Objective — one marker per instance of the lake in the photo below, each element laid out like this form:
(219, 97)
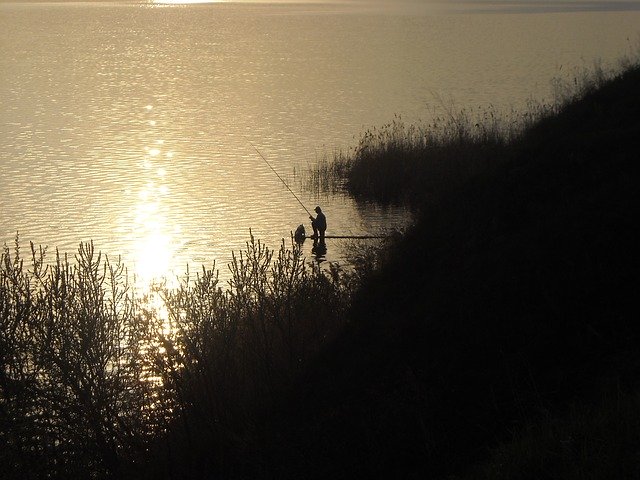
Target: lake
(132, 125)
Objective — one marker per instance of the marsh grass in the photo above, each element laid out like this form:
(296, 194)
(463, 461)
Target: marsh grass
(327, 175)
(403, 164)
(413, 164)
(94, 381)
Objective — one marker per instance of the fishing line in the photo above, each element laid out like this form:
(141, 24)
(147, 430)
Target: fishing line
(285, 183)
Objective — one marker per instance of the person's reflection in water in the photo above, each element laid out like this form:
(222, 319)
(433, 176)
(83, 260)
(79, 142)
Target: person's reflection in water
(319, 250)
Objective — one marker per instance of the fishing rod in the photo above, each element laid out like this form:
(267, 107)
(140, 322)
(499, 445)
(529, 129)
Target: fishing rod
(285, 183)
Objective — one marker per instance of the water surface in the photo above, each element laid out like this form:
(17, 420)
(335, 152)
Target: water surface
(132, 125)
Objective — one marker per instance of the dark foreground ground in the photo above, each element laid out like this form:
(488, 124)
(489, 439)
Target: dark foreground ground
(501, 338)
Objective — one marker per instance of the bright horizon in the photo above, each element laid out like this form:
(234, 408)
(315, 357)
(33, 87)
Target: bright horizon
(619, 3)
(454, 5)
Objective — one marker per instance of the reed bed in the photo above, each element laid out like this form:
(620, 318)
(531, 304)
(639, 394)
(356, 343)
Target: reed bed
(405, 164)
(413, 164)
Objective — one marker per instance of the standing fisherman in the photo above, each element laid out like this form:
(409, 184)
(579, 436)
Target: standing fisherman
(319, 224)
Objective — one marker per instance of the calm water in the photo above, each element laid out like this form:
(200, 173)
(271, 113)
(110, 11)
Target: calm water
(132, 125)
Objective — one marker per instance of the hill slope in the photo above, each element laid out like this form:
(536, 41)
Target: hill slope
(509, 301)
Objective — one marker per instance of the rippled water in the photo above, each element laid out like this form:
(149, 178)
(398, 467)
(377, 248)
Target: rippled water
(132, 125)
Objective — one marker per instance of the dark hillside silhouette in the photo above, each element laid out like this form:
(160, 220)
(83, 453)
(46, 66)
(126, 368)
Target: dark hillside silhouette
(513, 298)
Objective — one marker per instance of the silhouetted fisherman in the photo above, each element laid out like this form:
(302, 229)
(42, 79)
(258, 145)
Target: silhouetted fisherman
(319, 224)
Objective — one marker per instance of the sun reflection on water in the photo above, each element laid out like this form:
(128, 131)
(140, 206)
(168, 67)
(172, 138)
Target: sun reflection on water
(153, 255)
(154, 230)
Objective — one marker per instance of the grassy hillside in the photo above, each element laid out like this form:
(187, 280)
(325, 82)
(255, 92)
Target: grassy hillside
(511, 304)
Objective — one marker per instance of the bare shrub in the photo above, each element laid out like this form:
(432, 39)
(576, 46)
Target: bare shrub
(73, 394)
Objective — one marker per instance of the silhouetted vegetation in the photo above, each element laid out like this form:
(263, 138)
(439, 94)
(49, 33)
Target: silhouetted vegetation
(418, 163)
(496, 339)
(408, 164)
(99, 382)
(510, 300)
(596, 441)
